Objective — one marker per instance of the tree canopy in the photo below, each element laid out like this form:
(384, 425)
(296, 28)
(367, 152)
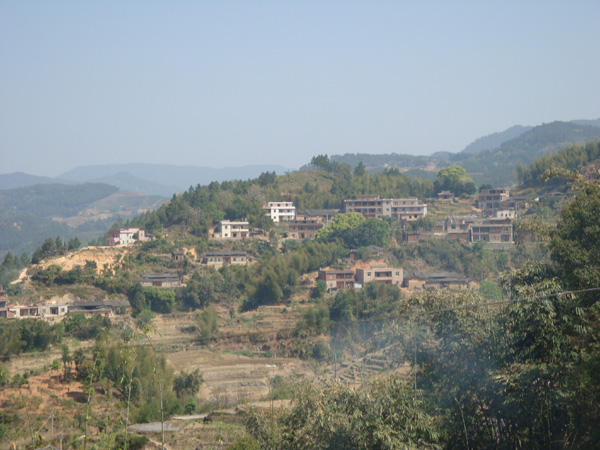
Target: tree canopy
(455, 180)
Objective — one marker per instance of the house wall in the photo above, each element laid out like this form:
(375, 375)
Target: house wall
(371, 206)
(228, 229)
(281, 211)
(383, 275)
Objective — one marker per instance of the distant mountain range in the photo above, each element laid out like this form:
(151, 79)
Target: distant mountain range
(150, 179)
(163, 179)
(30, 214)
(495, 140)
(21, 179)
(490, 159)
(86, 201)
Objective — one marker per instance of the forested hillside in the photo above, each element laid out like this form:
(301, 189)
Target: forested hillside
(572, 158)
(30, 214)
(53, 200)
(495, 140)
(203, 206)
(480, 365)
(495, 165)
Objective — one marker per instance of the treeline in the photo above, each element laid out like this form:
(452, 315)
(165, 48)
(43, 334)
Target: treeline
(30, 335)
(27, 335)
(570, 158)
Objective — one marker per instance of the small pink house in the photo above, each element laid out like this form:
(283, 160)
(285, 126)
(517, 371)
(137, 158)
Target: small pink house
(125, 236)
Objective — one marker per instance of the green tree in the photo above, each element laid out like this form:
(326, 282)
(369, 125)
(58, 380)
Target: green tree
(268, 290)
(321, 162)
(208, 323)
(341, 224)
(359, 170)
(575, 244)
(379, 416)
(187, 385)
(454, 179)
(66, 360)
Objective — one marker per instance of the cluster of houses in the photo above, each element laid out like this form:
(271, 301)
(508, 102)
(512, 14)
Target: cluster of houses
(381, 273)
(497, 204)
(305, 224)
(336, 279)
(500, 210)
(496, 227)
(52, 308)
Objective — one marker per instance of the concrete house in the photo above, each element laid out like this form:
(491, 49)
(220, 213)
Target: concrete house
(232, 229)
(51, 308)
(125, 236)
(304, 228)
(417, 281)
(458, 227)
(217, 259)
(337, 279)
(323, 215)
(493, 230)
(163, 280)
(445, 196)
(491, 199)
(379, 273)
(371, 206)
(280, 211)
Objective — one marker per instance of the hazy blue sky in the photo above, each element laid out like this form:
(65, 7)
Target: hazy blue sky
(226, 83)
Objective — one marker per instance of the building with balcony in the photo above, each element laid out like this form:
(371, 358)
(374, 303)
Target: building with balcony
(337, 279)
(280, 211)
(371, 206)
(496, 231)
(491, 199)
(379, 273)
(304, 228)
(232, 229)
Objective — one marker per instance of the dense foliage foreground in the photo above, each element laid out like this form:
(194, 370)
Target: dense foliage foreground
(521, 373)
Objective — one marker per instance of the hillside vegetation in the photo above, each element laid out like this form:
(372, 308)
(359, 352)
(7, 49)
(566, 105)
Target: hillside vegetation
(572, 158)
(509, 363)
(493, 164)
(28, 215)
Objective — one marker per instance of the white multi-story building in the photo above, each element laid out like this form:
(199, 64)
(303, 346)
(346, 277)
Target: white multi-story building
(281, 211)
(232, 229)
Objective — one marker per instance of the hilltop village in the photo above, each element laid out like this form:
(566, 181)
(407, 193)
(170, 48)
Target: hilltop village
(270, 290)
(492, 222)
